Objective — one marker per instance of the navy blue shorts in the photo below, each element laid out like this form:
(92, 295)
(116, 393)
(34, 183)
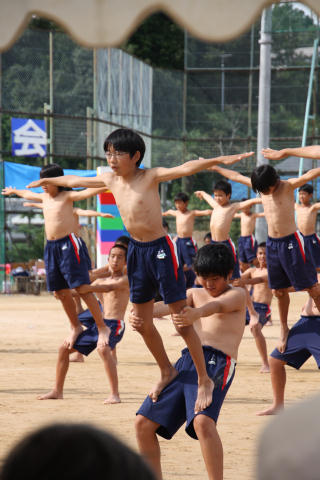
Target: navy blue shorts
(86, 317)
(152, 267)
(303, 341)
(264, 311)
(88, 339)
(187, 249)
(176, 402)
(312, 245)
(229, 243)
(86, 252)
(289, 263)
(66, 263)
(247, 247)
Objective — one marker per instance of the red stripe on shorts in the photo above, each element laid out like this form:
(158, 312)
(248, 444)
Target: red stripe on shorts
(233, 249)
(119, 327)
(252, 242)
(296, 234)
(226, 372)
(194, 245)
(173, 256)
(76, 251)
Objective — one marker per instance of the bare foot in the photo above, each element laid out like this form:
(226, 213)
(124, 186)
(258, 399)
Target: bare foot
(204, 397)
(112, 399)
(269, 323)
(77, 357)
(53, 395)
(273, 410)
(265, 369)
(166, 378)
(104, 334)
(75, 332)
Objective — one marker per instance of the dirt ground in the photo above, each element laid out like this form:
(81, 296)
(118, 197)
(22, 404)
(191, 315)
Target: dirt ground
(32, 330)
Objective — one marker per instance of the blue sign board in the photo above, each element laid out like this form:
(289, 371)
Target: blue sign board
(29, 137)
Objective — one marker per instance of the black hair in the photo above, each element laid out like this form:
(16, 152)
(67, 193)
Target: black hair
(207, 235)
(53, 170)
(307, 187)
(214, 259)
(264, 177)
(181, 196)
(126, 140)
(75, 452)
(122, 247)
(262, 245)
(244, 199)
(224, 186)
(123, 239)
(165, 223)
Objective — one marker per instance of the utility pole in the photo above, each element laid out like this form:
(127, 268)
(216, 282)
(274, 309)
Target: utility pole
(264, 103)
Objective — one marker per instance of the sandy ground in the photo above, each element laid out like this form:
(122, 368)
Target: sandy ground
(32, 330)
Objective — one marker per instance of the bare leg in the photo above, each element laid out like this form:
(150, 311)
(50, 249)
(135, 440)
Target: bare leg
(261, 343)
(211, 446)
(68, 304)
(93, 305)
(254, 316)
(154, 343)
(278, 382)
(77, 301)
(205, 384)
(148, 443)
(77, 357)
(283, 305)
(61, 372)
(112, 374)
(314, 293)
(114, 355)
(243, 266)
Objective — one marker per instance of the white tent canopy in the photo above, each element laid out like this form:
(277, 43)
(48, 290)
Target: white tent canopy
(104, 23)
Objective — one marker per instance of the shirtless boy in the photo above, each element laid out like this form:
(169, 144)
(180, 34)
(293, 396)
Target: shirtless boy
(306, 214)
(261, 299)
(66, 258)
(184, 225)
(222, 214)
(152, 261)
(288, 263)
(217, 312)
(303, 341)
(113, 293)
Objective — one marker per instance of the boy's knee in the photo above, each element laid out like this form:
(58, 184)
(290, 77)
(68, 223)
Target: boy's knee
(314, 291)
(60, 294)
(281, 292)
(255, 329)
(143, 425)
(103, 350)
(64, 350)
(203, 425)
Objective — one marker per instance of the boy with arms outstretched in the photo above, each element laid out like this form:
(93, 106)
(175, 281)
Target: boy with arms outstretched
(113, 292)
(217, 312)
(66, 257)
(152, 261)
(288, 263)
(184, 225)
(261, 299)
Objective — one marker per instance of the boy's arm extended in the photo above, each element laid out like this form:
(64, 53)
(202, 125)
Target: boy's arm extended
(205, 196)
(173, 213)
(312, 151)
(202, 213)
(99, 286)
(91, 213)
(33, 205)
(306, 177)
(230, 303)
(22, 193)
(86, 193)
(232, 175)
(73, 181)
(249, 203)
(195, 166)
(247, 279)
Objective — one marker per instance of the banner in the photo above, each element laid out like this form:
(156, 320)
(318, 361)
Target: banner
(29, 137)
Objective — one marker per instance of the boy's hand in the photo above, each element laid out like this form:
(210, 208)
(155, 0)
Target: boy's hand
(8, 191)
(37, 183)
(231, 159)
(107, 215)
(199, 194)
(186, 317)
(273, 154)
(135, 321)
(238, 282)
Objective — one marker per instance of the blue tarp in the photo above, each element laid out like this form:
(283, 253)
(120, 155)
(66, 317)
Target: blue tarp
(18, 175)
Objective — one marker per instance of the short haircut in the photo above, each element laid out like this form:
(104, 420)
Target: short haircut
(214, 259)
(262, 245)
(126, 140)
(224, 186)
(75, 452)
(264, 177)
(121, 247)
(123, 239)
(181, 196)
(53, 170)
(307, 187)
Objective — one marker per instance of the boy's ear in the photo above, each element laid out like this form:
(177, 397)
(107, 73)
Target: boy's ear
(137, 155)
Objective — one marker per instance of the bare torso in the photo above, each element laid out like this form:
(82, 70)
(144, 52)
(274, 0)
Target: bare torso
(279, 210)
(222, 331)
(306, 218)
(58, 215)
(261, 291)
(114, 302)
(247, 223)
(221, 219)
(185, 223)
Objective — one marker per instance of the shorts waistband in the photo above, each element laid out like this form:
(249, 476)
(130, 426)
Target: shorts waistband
(247, 236)
(208, 348)
(62, 239)
(287, 237)
(261, 304)
(157, 241)
(308, 236)
(227, 240)
(313, 317)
